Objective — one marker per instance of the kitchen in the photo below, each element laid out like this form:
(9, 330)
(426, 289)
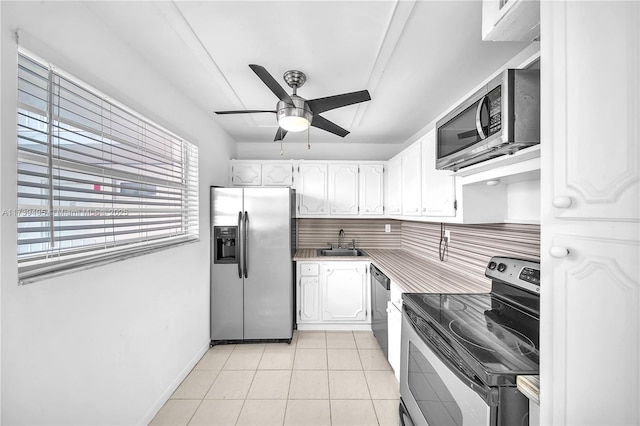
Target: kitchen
(108, 345)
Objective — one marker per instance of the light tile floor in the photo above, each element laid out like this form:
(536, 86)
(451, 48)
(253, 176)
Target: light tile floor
(321, 378)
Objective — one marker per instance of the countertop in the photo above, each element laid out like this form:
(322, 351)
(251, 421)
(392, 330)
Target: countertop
(411, 273)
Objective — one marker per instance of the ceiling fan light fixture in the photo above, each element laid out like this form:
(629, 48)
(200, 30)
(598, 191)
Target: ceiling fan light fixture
(296, 117)
(294, 123)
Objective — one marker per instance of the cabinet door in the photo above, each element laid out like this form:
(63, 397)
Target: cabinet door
(394, 186)
(277, 174)
(309, 299)
(412, 180)
(590, 202)
(371, 189)
(438, 186)
(246, 174)
(312, 194)
(344, 292)
(394, 323)
(598, 164)
(343, 189)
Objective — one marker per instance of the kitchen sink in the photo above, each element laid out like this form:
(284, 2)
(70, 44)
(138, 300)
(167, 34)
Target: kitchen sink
(341, 252)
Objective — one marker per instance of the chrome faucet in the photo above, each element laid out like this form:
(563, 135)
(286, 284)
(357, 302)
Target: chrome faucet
(340, 237)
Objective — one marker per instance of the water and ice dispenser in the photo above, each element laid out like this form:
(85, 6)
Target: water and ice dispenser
(225, 248)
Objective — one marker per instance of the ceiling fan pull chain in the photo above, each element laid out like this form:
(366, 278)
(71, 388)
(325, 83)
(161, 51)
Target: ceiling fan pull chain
(281, 150)
(308, 132)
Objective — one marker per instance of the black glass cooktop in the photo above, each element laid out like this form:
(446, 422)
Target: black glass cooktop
(496, 338)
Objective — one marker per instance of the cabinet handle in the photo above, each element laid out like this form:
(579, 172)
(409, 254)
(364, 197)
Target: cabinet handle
(561, 202)
(558, 252)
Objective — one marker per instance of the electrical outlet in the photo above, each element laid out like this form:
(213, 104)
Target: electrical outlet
(387, 227)
(447, 236)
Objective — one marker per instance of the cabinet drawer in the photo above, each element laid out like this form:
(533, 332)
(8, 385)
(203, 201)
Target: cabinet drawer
(309, 269)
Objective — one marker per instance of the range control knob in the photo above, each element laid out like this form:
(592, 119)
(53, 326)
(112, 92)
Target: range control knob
(502, 267)
(492, 265)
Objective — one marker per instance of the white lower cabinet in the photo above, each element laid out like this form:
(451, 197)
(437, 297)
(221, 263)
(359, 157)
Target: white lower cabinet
(344, 292)
(333, 296)
(309, 307)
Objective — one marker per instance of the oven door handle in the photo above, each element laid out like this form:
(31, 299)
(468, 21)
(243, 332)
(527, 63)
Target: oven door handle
(488, 394)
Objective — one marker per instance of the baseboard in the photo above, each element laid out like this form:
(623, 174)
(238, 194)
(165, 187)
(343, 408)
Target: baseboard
(164, 397)
(335, 327)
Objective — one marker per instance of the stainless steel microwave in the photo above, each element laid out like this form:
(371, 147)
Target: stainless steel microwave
(501, 118)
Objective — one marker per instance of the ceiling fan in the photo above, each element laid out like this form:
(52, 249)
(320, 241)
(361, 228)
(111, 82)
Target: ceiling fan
(296, 114)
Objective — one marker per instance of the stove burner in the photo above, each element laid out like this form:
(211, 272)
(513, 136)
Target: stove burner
(445, 302)
(507, 336)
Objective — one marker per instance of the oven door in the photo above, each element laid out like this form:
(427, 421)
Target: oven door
(431, 392)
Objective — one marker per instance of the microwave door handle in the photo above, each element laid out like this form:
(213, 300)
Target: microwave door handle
(479, 128)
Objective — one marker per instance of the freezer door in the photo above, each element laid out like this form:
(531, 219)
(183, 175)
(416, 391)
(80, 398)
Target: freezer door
(226, 284)
(268, 286)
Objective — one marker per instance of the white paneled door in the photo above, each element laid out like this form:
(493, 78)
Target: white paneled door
(590, 201)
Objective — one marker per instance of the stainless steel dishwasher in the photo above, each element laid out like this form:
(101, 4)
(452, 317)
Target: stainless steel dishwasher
(380, 289)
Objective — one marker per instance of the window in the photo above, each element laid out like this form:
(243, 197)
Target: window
(96, 181)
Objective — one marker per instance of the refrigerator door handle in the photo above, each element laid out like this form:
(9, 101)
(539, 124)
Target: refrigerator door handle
(245, 245)
(239, 249)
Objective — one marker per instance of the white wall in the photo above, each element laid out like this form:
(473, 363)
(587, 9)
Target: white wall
(318, 151)
(106, 345)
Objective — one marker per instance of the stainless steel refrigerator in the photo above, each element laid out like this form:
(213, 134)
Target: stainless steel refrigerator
(253, 242)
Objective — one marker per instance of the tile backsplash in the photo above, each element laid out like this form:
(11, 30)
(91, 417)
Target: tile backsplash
(469, 251)
(471, 246)
(368, 233)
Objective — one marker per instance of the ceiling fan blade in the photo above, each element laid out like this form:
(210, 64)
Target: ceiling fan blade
(280, 134)
(271, 83)
(324, 124)
(244, 111)
(321, 105)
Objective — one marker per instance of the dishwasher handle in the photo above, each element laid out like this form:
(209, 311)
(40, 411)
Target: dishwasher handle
(380, 278)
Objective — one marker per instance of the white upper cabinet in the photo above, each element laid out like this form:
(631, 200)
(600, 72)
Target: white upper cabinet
(261, 173)
(371, 189)
(510, 20)
(424, 191)
(438, 186)
(394, 186)
(411, 180)
(340, 189)
(277, 174)
(246, 174)
(343, 189)
(312, 189)
(599, 177)
(590, 201)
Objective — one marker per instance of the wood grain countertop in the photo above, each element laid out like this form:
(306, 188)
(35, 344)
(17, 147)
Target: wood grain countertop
(411, 273)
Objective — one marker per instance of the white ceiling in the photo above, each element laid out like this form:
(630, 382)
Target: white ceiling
(416, 58)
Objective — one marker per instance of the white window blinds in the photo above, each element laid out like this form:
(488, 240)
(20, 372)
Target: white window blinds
(96, 181)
